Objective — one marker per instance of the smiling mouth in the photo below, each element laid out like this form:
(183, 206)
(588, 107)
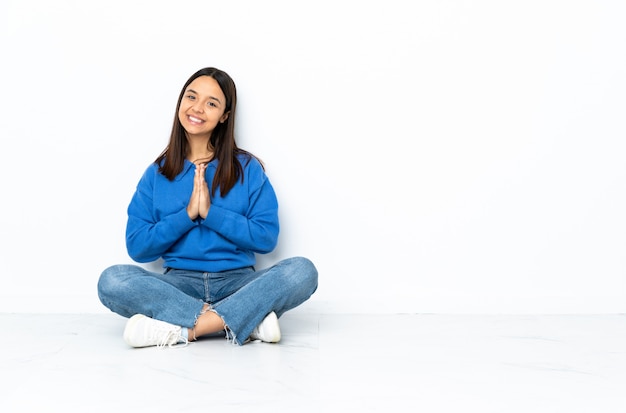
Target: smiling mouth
(194, 120)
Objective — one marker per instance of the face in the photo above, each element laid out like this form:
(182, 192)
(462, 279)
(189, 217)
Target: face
(202, 107)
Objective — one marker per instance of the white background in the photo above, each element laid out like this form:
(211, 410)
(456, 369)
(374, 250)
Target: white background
(430, 156)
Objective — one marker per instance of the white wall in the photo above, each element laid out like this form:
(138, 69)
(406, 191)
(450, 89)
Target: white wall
(429, 156)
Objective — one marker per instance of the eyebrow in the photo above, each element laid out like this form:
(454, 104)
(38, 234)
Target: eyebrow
(210, 97)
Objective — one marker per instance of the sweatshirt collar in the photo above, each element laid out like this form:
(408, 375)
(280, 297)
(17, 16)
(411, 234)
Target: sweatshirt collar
(189, 166)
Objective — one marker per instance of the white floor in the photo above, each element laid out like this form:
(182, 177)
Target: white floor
(343, 363)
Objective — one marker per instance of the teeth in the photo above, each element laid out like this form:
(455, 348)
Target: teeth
(195, 120)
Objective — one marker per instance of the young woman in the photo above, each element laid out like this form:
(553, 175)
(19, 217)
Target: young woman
(206, 207)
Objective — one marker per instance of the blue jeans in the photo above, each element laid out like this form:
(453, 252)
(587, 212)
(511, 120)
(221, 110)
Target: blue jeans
(242, 297)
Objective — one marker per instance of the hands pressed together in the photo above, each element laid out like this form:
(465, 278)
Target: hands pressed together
(199, 202)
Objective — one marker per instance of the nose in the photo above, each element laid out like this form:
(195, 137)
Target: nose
(198, 107)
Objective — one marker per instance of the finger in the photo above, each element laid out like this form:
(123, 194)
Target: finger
(199, 175)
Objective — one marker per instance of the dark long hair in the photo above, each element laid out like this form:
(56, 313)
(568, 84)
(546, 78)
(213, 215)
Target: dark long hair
(171, 161)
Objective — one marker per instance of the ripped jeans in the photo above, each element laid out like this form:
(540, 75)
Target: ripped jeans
(242, 297)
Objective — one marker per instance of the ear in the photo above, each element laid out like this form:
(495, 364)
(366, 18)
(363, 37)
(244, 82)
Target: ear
(224, 117)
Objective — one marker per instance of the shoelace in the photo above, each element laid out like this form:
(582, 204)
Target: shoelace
(166, 337)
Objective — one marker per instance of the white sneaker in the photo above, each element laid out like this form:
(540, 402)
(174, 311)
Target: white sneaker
(268, 331)
(143, 331)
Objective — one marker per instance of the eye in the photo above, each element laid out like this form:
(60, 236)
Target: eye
(212, 104)
(191, 97)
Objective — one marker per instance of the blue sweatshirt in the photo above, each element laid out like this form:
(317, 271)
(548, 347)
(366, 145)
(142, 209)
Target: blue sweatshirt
(242, 223)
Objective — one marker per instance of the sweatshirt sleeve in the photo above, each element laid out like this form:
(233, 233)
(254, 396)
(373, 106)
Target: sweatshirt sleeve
(147, 237)
(258, 229)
